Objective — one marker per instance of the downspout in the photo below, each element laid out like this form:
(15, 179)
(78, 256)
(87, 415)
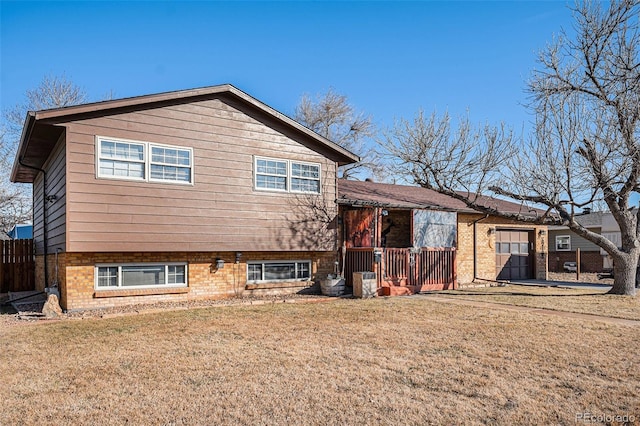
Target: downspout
(44, 216)
(475, 246)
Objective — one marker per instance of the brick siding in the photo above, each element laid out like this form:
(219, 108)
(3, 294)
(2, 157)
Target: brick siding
(590, 261)
(486, 252)
(77, 276)
(55, 276)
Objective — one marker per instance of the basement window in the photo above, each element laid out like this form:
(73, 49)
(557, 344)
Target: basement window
(269, 271)
(147, 275)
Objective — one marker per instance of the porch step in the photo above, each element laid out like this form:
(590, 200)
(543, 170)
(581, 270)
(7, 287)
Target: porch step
(402, 290)
(396, 290)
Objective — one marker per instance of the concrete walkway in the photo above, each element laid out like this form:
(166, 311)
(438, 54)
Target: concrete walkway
(528, 309)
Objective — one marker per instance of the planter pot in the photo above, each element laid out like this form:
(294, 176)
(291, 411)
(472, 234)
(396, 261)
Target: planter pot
(332, 286)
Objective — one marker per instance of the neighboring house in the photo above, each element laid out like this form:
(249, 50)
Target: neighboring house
(429, 241)
(611, 231)
(21, 232)
(183, 195)
(564, 243)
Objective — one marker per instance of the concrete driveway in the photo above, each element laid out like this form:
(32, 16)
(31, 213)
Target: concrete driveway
(568, 284)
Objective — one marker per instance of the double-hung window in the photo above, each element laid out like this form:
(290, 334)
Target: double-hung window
(124, 159)
(170, 164)
(286, 175)
(121, 159)
(305, 177)
(271, 174)
(279, 271)
(109, 277)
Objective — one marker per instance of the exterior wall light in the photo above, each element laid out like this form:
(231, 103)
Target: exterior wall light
(492, 231)
(238, 256)
(219, 263)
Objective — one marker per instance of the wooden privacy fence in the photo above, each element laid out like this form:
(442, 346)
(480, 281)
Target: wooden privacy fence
(421, 269)
(17, 266)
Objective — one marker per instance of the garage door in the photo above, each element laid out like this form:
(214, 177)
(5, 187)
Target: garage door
(513, 255)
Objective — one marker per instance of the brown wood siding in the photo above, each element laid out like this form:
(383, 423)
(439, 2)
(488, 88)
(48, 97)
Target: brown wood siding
(56, 210)
(220, 211)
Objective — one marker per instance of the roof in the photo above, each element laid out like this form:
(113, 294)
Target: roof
(21, 231)
(589, 220)
(42, 129)
(355, 193)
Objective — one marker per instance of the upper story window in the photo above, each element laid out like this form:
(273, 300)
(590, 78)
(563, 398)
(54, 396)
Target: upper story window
(563, 243)
(121, 159)
(124, 159)
(271, 174)
(286, 175)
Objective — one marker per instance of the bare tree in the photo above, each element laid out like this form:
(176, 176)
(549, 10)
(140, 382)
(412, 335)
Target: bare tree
(15, 202)
(585, 148)
(332, 116)
(53, 92)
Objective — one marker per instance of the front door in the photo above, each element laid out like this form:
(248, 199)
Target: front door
(513, 255)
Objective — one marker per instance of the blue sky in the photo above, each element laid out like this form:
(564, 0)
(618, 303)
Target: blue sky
(389, 58)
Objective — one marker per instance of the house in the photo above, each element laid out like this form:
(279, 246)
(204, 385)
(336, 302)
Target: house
(425, 240)
(176, 196)
(21, 232)
(565, 243)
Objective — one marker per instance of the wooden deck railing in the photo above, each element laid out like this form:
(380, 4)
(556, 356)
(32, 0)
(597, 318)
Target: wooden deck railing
(423, 269)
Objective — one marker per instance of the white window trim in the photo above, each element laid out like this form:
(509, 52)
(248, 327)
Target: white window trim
(255, 175)
(130, 287)
(558, 237)
(288, 176)
(147, 161)
(266, 262)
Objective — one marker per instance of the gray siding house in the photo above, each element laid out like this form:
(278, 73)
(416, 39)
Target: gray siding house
(564, 244)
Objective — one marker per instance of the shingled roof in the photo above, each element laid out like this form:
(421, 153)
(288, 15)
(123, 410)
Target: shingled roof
(356, 193)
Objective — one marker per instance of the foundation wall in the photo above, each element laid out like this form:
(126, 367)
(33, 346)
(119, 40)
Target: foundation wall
(205, 281)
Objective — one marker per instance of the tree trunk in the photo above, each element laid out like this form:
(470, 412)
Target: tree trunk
(624, 274)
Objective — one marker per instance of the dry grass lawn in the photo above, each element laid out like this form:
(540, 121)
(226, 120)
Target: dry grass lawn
(585, 301)
(404, 360)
